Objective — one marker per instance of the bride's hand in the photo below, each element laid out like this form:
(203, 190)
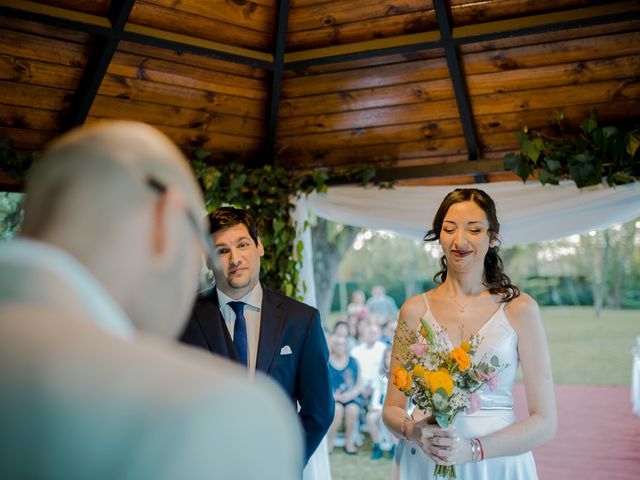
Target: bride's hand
(441, 445)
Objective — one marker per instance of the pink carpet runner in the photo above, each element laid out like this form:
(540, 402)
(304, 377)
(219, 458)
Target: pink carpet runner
(598, 437)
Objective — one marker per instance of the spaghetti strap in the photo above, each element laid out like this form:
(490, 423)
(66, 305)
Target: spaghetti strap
(426, 302)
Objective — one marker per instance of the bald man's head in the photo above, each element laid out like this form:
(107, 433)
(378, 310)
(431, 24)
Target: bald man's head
(117, 196)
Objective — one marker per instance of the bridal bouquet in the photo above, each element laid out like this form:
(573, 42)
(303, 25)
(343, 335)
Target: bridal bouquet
(441, 381)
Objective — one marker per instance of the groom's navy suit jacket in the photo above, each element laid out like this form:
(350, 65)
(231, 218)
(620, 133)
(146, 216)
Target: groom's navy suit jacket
(304, 373)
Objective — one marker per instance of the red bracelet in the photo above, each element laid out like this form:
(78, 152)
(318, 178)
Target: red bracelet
(481, 449)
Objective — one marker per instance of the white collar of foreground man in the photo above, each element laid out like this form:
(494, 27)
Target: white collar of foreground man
(43, 256)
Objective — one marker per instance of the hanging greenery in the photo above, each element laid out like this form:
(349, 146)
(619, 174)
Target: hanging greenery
(586, 154)
(266, 193)
(13, 162)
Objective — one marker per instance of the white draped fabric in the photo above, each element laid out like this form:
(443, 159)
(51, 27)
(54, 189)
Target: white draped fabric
(528, 213)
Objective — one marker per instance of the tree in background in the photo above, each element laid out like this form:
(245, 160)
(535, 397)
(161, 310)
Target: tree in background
(597, 268)
(330, 243)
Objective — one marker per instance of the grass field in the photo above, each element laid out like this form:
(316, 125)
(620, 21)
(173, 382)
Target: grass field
(584, 351)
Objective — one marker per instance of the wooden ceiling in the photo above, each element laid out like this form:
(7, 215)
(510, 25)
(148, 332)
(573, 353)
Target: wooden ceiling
(422, 88)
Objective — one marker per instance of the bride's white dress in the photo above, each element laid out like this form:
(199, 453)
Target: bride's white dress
(496, 413)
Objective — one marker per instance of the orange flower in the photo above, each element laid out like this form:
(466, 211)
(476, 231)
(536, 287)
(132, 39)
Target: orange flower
(401, 378)
(462, 358)
(440, 379)
(465, 346)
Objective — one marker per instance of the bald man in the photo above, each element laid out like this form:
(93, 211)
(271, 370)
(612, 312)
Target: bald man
(91, 296)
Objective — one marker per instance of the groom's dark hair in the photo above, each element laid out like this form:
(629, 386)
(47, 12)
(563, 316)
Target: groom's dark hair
(226, 217)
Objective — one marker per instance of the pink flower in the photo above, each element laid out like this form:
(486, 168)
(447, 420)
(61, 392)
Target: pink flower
(474, 403)
(492, 382)
(419, 349)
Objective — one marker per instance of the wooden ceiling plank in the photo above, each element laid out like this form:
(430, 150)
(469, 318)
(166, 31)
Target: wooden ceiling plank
(557, 97)
(454, 168)
(466, 12)
(34, 96)
(234, 147)
(34, 47)
(134, 66)
(29, 118)
(193, 60)
(349, 100)
(575, 50)
(575, 73)
(362, 31)
(321, 15)
(397, 59)
(421, 112)
(552, 37)
(175, 95)
(28, 139)
(423, 70)
(33, 72)
(157, 114)
(377, 154)
(406, 132)
(42, 30)
(247, 14)
(360, 50)
(168, 19)
(572, 18)
(616, 111)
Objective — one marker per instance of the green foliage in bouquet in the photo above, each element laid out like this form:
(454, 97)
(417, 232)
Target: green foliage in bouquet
(585, 154)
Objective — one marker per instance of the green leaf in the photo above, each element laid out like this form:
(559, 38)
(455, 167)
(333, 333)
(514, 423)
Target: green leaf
(588, 125)
(533, 148)
(442, 419)
(633, 142)
(495, 361)
(278, 225)
(519, 165)
(552, 165)
(201, 154)
(547, 177)
(585, 169)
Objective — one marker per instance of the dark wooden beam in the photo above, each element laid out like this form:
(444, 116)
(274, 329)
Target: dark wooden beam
(443, 13)
(97, 64)
(94, 25)
(471, 167)
(276, 81)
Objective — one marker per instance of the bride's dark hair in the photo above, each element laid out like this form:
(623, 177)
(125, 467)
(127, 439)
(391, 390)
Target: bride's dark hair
(494, 279)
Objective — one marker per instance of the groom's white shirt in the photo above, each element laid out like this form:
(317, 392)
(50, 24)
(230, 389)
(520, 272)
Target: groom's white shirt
(86, 396)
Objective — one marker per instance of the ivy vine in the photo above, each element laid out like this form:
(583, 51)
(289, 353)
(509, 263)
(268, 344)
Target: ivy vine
(14, 163)
(585, 154)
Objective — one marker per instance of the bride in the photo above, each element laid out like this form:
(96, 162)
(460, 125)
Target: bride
(474, 295)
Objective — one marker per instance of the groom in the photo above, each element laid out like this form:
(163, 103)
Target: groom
(260, 328)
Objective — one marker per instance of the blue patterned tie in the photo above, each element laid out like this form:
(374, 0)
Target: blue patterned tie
(240, 331)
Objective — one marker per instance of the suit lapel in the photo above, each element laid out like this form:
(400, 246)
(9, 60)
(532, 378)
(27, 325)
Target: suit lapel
(271, 323)
(215, 330)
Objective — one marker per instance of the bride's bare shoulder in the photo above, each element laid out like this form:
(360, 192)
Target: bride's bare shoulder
(413, 309)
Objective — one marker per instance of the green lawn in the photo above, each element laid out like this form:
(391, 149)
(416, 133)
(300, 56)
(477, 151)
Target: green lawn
(584, 351)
